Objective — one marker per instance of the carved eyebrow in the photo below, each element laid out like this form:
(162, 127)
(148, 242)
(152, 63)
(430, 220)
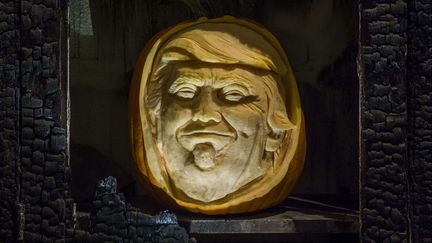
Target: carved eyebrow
(185, 79)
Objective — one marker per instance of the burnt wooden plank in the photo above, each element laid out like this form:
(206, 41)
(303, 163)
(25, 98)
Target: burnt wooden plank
(112, 219)
(45, 170)
(9, 119)
(419, 78)
(383, 114)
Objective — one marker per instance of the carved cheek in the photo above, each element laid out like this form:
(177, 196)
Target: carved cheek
(244, 120)
(175, 115)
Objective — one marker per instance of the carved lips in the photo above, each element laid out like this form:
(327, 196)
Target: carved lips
(194, 133)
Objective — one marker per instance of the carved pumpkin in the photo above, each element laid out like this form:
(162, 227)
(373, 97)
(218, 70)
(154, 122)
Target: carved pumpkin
(216, 124)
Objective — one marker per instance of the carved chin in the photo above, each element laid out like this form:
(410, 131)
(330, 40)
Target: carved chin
(204, 156)
(210, 175)
(205, 148)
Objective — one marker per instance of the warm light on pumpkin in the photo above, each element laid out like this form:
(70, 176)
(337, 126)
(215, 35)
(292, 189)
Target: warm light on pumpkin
(215, 118)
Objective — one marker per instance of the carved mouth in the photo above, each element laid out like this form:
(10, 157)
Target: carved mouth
(217, 139)
(218, 135)
(207, 133)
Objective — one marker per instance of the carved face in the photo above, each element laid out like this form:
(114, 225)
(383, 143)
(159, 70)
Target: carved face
(213, 128)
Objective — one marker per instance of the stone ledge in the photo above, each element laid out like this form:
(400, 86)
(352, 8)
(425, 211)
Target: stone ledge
(294, 216)
(297, 219)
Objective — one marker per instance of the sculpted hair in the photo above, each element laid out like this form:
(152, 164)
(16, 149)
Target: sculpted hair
(235, 45)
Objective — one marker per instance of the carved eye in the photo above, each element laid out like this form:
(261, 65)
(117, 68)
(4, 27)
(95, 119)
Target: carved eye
(233, 94)
(186, 92)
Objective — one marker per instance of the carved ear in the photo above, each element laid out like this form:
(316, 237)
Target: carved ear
(273, 143)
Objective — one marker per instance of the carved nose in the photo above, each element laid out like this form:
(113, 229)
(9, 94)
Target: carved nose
(207, 110)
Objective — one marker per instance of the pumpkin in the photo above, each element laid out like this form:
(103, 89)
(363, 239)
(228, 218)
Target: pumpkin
(257, 194)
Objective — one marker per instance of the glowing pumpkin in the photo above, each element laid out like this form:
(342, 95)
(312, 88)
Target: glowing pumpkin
(216, 124)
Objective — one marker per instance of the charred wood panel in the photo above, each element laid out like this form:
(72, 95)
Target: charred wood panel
(396, 131)
(45, 170)
(112, 219)
(419, 78)
(383, 114)
(9, 119)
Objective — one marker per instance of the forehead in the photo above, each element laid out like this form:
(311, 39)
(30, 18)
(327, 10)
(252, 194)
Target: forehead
(193, 71)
